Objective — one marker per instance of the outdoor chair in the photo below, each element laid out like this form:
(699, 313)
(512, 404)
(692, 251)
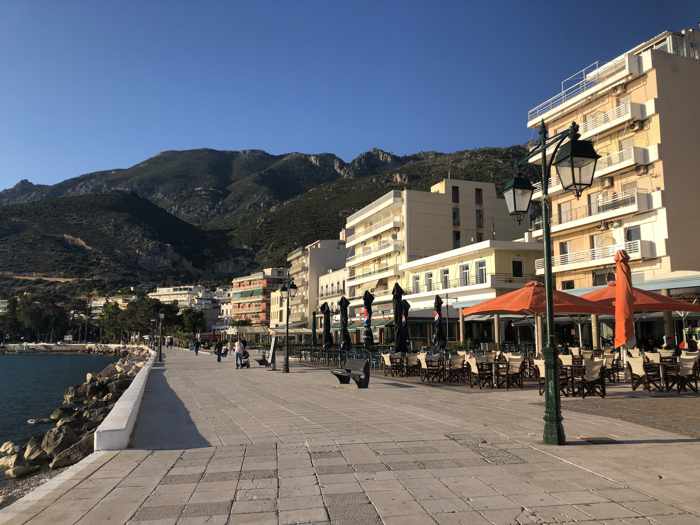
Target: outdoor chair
(612, 367)
(653, 357)
(686, 375)
(457, 372)
(666, 355)
(514, 371)
(386, 364)
(593, 380)
(587, 354)
(478, 374)
(412, 365)
(575, 350)
(639, 375)
(634, 352)
(540, 368)
(429, 371)
(566, 373)
(396, 364)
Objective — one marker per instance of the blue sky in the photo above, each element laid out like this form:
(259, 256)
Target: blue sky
(86, 86)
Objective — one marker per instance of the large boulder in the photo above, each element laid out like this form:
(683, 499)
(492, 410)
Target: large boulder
(8, 448)
(33, 453)
(57, 440)
(11, 461)
(60, 412)
(21, 470)
(117, 387)
(75, 453)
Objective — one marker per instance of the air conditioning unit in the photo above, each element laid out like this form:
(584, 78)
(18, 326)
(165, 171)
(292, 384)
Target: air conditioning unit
(641, 170)
(608, 182)
(602, 226)
(636, 125)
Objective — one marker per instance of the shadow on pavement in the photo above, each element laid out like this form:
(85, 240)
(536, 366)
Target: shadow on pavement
(608, 441)
(164, 422)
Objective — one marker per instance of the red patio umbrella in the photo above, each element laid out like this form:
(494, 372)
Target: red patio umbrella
(530, 300)
(644, 301)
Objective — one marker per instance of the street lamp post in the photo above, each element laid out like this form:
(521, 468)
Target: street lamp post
(161, 316)
(291, 290)
(575, 162)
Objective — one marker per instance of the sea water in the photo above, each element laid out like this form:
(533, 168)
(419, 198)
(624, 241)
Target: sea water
(32, 385)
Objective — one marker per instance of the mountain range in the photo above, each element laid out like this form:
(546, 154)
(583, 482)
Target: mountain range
(207, 214)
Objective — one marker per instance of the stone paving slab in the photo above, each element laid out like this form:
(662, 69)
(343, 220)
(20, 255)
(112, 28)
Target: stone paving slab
(264, 447)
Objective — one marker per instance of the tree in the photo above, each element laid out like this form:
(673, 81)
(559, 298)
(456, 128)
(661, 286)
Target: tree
(192, 321)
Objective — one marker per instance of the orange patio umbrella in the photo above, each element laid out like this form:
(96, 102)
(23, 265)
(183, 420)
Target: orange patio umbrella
(644, 301)
(530, 300)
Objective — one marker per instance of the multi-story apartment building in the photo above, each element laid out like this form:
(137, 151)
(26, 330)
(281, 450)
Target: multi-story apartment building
(97, 304)
(250, 299)
(463, 277)
(405, 225)
(187, 296)
(278, 309)
(306, 264)
(642, 111)
(331, 287)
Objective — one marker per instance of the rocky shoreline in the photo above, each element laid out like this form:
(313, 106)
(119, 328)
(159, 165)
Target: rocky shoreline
(48, 348)
(71, 437)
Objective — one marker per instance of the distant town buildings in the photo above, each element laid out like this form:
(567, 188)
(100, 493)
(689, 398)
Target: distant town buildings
(306, 265)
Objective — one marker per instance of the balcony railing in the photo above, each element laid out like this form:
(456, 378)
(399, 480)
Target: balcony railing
(579, 82)
(479, 278)
(597, 207)
(600, 120)
(393, 221)
(396, 245)
(391, 267)
(594, 254)
(606, 163)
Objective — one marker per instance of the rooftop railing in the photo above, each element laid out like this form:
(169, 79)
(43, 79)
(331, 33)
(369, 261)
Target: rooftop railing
(579, 82)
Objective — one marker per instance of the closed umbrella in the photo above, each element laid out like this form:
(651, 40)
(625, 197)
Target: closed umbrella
(344, 334)
(624, 301)
(367, 300)
(397, 297)
(405, 335)
(439, 342)
(327, 337)
(314, 339)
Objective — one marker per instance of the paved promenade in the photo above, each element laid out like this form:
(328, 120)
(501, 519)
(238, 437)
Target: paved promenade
(219, 445)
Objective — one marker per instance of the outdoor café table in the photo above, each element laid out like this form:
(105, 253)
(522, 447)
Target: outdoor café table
(667, 370)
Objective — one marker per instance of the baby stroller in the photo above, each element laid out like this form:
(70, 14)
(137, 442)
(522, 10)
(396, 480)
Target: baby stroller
(245, 359)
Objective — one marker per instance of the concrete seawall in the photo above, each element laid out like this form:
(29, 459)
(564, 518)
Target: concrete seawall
(115, 431)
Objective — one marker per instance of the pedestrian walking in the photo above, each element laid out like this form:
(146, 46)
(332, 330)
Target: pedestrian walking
(238, 347)
(218, 346)
(196, 347)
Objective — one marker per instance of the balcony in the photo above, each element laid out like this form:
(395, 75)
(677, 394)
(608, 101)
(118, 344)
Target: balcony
(384, 248)
(372, 275)
(388, 200)
(373, 229)
(597, 256)
(583, 83)
(619, 204)
(478, 280)
(608, 163)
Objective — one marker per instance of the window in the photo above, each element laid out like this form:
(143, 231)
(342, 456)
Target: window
(564, 248)
(464, 275)
(480, 272)
(456, 239)
(567, 285)
(602, 277)
(633, 233)
(479, 236)
(478, 196)
(455, 194)
(517, 268)
(445, 278)
(429, 282)
(564, 212)
(479, 218)
(416, 283)
(455, 216)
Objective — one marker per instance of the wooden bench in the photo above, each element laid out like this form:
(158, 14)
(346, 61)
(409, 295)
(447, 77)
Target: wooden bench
(355, 369)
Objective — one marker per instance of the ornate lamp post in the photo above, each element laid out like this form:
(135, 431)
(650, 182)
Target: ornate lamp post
(575, 162)
(291, 290)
